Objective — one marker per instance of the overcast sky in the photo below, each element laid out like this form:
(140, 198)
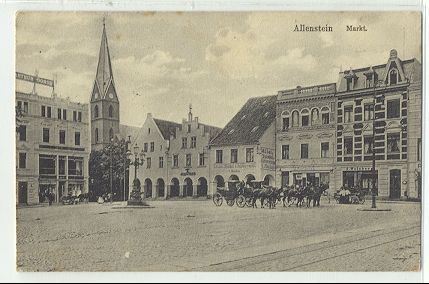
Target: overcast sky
(215, 61)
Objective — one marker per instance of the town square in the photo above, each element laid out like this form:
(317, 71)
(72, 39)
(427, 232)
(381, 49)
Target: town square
(203, 237)
(217, 142)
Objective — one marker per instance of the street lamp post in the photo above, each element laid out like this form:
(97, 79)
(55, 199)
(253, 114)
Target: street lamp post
(136, 159)
(374, 173)
(125, 157)
(111, 171)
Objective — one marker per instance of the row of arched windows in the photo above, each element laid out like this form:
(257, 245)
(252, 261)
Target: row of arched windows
(97, 137)
(305, 117)
(97, 113)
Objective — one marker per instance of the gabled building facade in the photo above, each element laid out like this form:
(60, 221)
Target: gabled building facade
(154, 140)
(388, 98)
(176, 158)
(305, 135)
(245, 149)
(189, 159)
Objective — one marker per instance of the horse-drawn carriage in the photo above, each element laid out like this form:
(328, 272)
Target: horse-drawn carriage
(235, 193)
(350, 196)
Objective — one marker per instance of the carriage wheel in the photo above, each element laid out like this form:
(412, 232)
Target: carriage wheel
(241, 201)
(354, 200)
(217, 199)
(266, 202)
(249, 202)
(291, 201)
(230, 202)
(362, 200)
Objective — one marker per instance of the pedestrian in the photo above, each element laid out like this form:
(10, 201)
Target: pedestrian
(51, 198)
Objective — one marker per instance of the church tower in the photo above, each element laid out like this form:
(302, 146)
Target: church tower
(104, 101)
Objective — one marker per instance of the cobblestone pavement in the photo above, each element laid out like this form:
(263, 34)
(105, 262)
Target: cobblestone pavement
(196, 235)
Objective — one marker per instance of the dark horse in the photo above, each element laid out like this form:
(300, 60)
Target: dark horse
(318, 193)
(263, 193)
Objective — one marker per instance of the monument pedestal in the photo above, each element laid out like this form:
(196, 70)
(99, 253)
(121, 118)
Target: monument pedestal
(136, 199)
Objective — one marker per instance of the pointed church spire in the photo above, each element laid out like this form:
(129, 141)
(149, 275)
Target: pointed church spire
(104, 69)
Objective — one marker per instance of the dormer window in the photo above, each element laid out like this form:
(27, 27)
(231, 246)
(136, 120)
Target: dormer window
(369, 81)
(243, 117)
(349, 84)
(231, 131)
(350, 80)
(266, 114)
(255, 128)
(393, 77)
(371, 78)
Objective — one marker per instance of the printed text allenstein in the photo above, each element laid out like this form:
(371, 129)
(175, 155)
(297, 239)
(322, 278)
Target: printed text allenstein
(319, 28)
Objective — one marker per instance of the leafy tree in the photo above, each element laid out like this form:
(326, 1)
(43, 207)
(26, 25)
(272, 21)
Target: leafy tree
(99, 169)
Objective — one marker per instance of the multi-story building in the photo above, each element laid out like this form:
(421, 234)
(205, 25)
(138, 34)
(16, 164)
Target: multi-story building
(305, 135)
(176, 157)
(189, 159)
(388, 98)
(52, 147)
(154, 140)
(245, 148)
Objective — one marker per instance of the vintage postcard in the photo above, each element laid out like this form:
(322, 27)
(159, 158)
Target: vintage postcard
(218, 141)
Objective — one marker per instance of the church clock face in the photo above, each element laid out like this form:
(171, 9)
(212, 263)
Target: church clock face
(111, 95)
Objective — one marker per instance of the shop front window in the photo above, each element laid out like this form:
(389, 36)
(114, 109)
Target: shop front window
(47, 165)
(75, 166)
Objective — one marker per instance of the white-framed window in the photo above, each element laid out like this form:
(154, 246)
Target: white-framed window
(325, 115)
(305, 117)
(348, 145)
(234, 155)
(219, 156)
(295, 118)
(315, 116)
(394, 108)
(188, 160)
(324, 150)
(285, 152)
(368, 111)
(393, 140)
(250, 155)
(285, 120)
(348, 113)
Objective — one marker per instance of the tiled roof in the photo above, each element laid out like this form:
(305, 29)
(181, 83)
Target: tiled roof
(166, 127)
(249, 124)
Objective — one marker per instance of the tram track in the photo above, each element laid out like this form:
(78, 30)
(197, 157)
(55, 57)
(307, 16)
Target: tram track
(328, 249)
